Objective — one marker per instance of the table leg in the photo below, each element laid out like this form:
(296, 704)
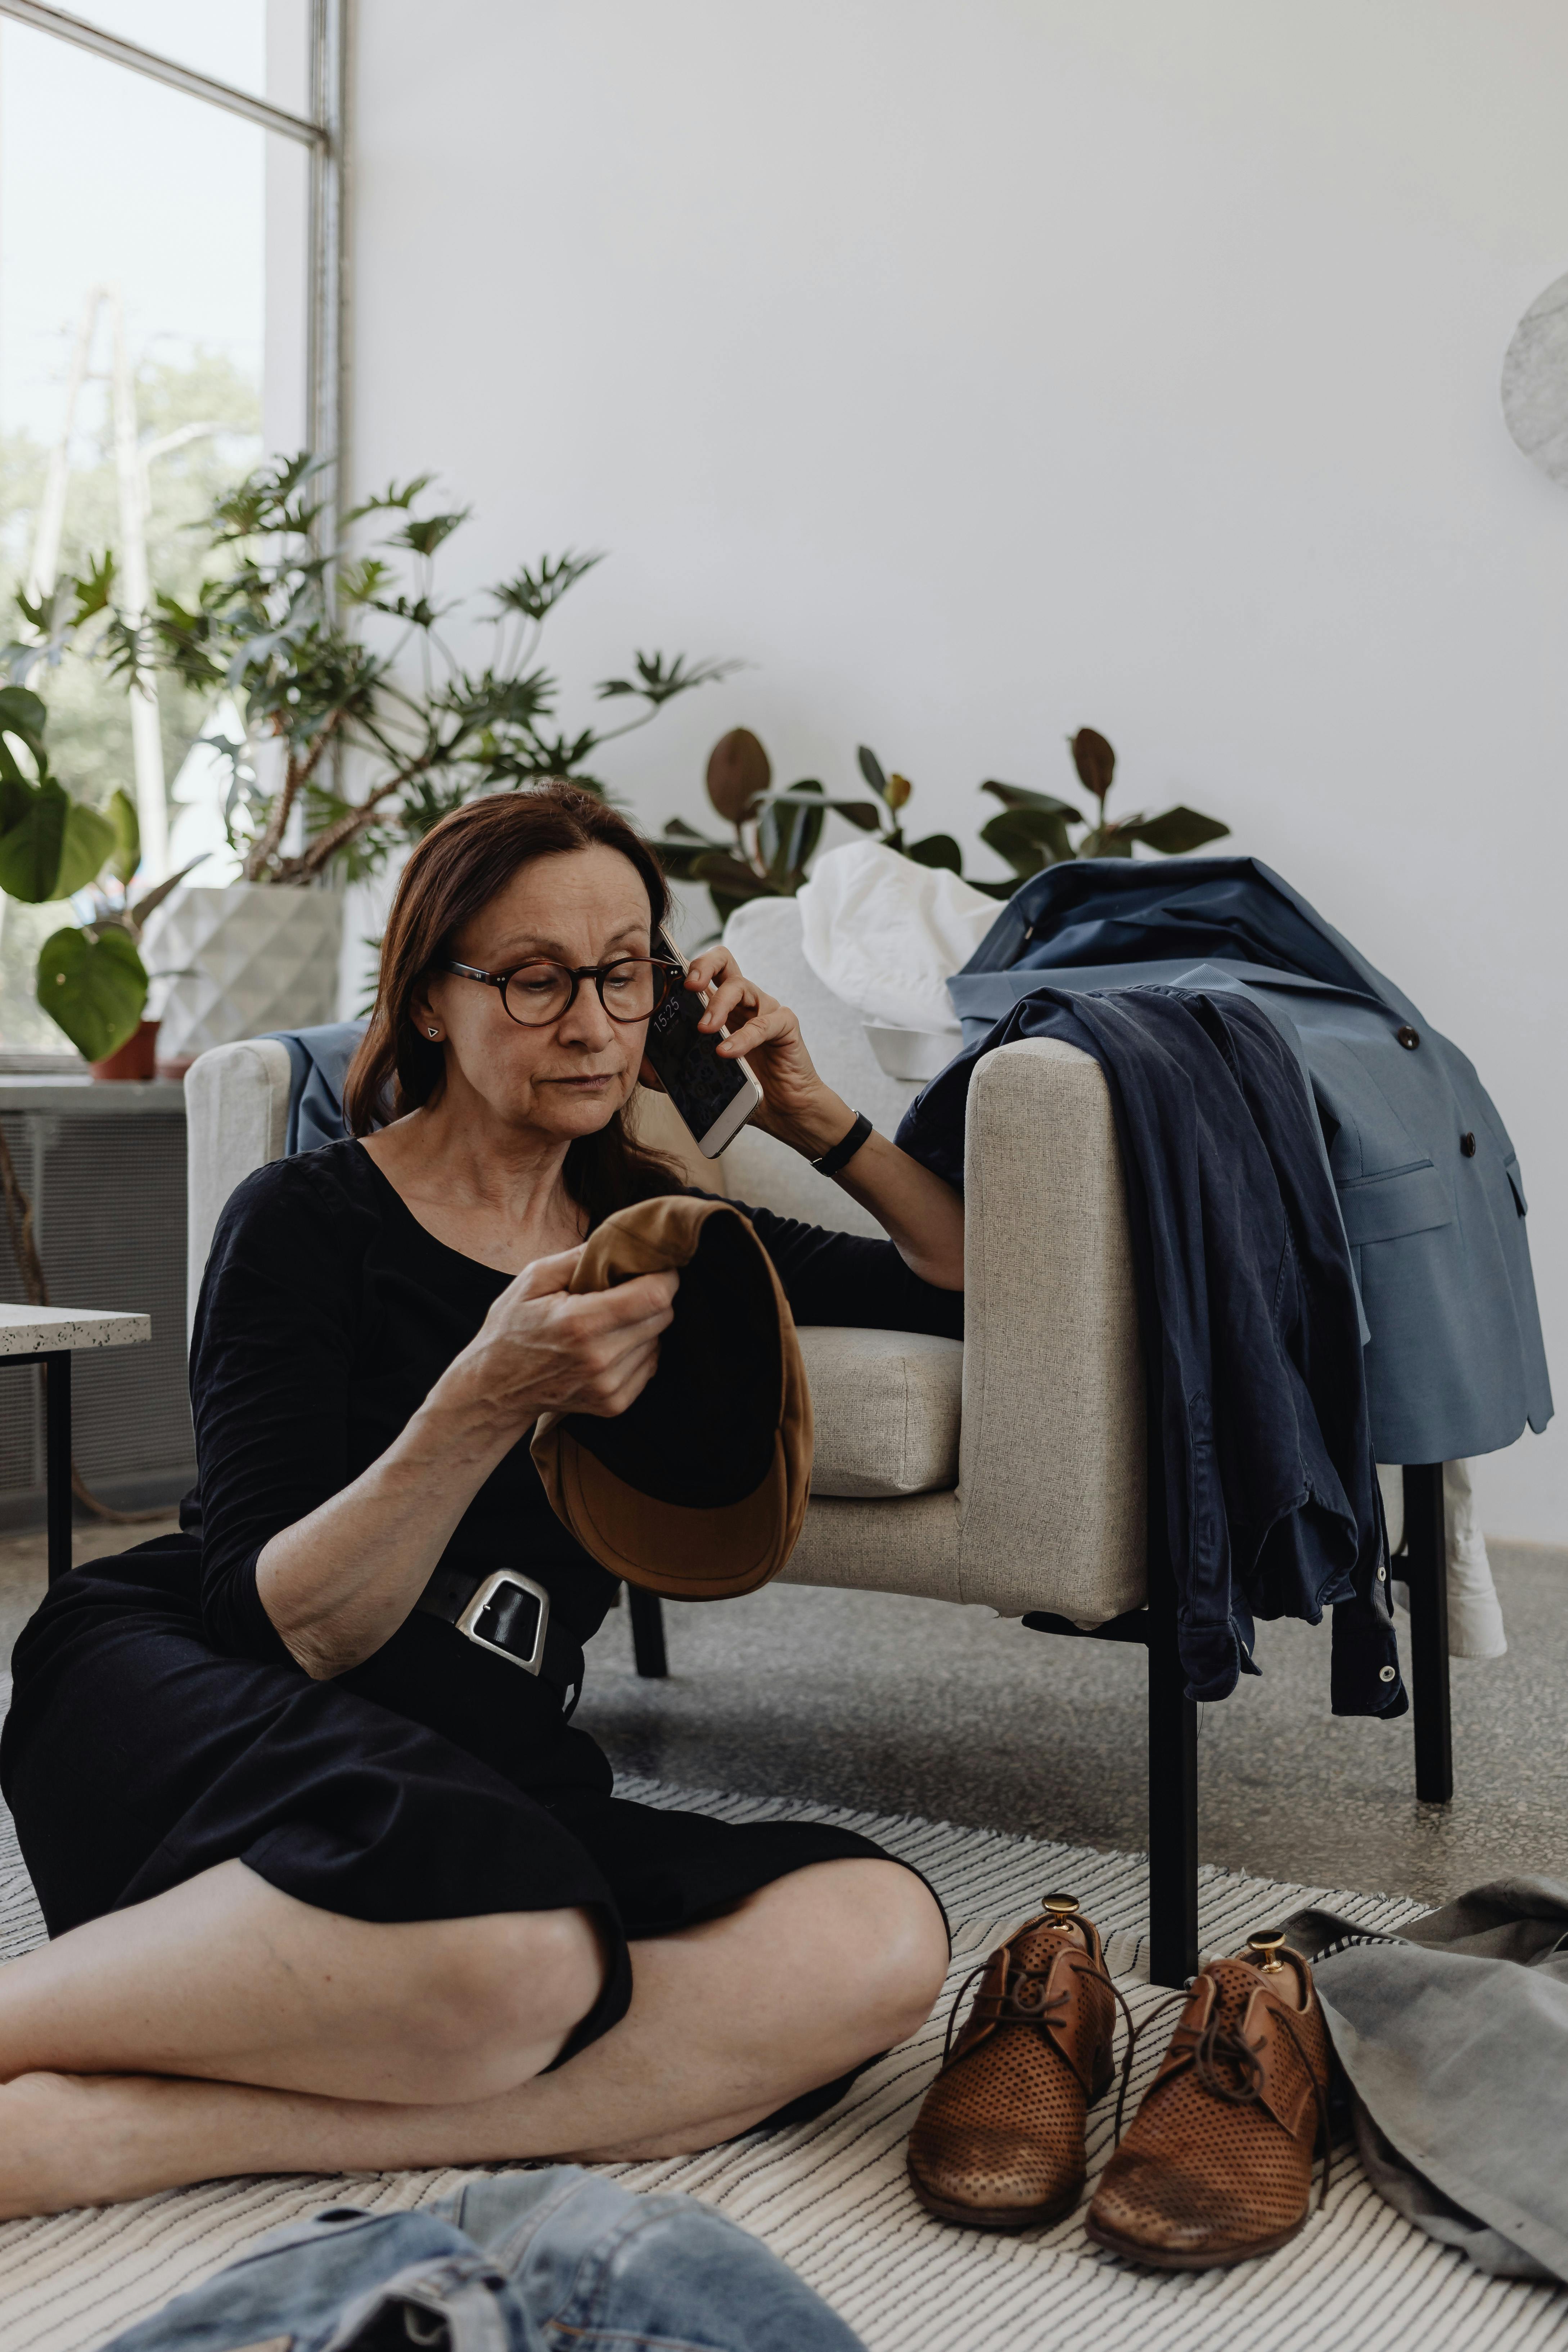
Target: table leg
(58, 1460)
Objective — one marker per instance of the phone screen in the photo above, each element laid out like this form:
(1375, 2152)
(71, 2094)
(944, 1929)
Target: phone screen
(697, 1082)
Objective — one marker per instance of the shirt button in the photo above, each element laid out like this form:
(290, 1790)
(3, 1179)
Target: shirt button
(1467, 1146)
(1409, 1038)
(1385, 1673)
(1382, 1575)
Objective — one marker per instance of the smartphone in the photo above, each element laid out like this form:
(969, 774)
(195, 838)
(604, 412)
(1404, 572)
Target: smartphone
(715, 1098)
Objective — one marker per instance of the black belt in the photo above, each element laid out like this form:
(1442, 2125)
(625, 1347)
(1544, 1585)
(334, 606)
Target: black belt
(501, 1610)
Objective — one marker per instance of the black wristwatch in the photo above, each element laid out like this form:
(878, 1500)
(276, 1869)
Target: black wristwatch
(843, 1153)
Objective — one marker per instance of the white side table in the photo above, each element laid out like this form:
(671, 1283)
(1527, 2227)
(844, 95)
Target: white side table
(47, 1335)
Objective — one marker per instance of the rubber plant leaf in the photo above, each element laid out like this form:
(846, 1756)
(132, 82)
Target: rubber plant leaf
(723, 872)
(871, 769)
(32, 847)
(862, 813)
(1017, 796)
(1028, 839)
(1175, 831)
(1095, 762)
(1109, 841)
(937, 849)
(788, 831)
(93, 989)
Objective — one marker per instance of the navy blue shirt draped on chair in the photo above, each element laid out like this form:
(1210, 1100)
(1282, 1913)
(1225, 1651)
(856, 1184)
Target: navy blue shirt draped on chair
(1263, 1486)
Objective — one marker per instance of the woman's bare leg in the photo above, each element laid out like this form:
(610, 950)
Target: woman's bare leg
(229, 1978)
(803, 1982)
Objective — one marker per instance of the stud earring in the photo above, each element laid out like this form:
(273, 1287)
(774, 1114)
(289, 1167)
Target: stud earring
(435, 1033)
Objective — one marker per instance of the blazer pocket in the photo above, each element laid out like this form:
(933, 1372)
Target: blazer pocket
(1409, 1200)
(1510, 1170)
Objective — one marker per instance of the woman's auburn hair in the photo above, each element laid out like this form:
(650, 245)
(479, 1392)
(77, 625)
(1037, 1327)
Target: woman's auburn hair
(456, 869)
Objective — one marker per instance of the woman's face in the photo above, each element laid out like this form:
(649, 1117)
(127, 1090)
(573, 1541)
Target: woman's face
(581, 908)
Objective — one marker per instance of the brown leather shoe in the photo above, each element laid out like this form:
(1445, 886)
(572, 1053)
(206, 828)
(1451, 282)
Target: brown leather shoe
(999, 2141)
(1217, 2166)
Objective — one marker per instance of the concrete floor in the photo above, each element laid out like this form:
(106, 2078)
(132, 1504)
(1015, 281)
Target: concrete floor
(915, 1706)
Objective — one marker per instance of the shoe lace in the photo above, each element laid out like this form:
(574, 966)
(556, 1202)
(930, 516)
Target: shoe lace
(1221, 2046)
(1024, 2000)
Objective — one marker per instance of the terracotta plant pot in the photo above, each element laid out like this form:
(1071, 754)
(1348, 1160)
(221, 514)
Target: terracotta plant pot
(135, 1059)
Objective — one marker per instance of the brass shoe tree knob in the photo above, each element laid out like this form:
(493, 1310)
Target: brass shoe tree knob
(1063, 1909)
(1267, 1943)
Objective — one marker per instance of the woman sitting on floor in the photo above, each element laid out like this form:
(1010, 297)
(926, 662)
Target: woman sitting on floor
(333, 1886)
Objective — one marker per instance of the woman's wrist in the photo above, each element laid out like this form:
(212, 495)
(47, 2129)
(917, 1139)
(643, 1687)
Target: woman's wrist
(814, 1131)
(461, 1426)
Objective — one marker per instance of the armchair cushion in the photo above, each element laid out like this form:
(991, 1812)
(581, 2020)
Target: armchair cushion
(886, 1405)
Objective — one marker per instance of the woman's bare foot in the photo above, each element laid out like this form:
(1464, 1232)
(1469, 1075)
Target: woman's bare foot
(62, 2143)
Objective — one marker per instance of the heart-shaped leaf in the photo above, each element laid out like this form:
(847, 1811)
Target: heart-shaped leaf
(90, 841)
(94, 988)
(23, 714)
(33, 845)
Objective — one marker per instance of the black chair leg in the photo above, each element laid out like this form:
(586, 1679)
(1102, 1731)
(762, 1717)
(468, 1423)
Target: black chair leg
(1173, 1808)
(647, 1632)
(1427, 1575)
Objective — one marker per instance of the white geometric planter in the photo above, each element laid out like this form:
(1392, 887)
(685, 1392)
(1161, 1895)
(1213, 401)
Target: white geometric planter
(243, 960)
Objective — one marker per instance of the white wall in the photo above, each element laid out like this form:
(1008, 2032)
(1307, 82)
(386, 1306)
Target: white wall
(981, 368)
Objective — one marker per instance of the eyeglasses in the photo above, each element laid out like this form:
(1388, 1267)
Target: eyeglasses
(630, 987)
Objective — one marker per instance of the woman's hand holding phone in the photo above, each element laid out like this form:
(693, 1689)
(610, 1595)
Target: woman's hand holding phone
(796, 1106)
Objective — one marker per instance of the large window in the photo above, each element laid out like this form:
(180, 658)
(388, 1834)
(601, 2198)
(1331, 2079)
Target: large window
(167, 305)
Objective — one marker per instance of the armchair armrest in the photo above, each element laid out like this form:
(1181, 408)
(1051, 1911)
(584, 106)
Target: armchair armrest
(237, 1113)
(1052, 1451)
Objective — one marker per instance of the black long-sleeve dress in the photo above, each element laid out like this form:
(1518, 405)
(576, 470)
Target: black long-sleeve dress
(158, 1722)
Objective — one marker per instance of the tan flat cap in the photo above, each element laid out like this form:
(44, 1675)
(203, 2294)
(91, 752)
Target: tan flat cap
(698, 1489)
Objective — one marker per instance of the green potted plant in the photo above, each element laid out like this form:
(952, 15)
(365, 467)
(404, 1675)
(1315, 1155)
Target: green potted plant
(777, 835)
(90, 976)
(1035, 829)
(361, 728)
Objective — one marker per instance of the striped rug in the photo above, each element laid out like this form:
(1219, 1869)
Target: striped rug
(832, 2199)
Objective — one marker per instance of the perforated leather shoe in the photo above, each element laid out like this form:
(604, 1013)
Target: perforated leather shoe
(1217, 2166)
(999, 2141)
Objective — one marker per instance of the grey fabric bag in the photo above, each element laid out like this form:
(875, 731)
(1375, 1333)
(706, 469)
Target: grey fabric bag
(1454, 2035)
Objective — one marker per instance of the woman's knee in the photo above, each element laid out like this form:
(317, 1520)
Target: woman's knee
(896, 1949)
(501, 1995)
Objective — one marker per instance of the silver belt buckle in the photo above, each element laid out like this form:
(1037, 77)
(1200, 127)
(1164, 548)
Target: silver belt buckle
(468, 1623)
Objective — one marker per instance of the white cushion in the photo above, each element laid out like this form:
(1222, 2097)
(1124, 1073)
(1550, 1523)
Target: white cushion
(884, 933)
(764, 938)
(886, 1405)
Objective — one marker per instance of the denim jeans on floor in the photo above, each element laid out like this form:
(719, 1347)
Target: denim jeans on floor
(534, 2262)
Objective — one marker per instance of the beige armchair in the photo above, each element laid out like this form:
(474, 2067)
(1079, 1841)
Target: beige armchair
(1008, 1470)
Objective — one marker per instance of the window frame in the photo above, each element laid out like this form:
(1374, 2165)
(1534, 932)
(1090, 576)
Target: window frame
(324, 132)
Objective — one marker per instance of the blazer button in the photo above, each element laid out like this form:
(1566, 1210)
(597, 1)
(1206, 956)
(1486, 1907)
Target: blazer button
(1409, 1038)
(1385, 1673)
(1467, 1146)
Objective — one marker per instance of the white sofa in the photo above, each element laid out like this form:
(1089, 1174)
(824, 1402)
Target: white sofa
(1007, 1470)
